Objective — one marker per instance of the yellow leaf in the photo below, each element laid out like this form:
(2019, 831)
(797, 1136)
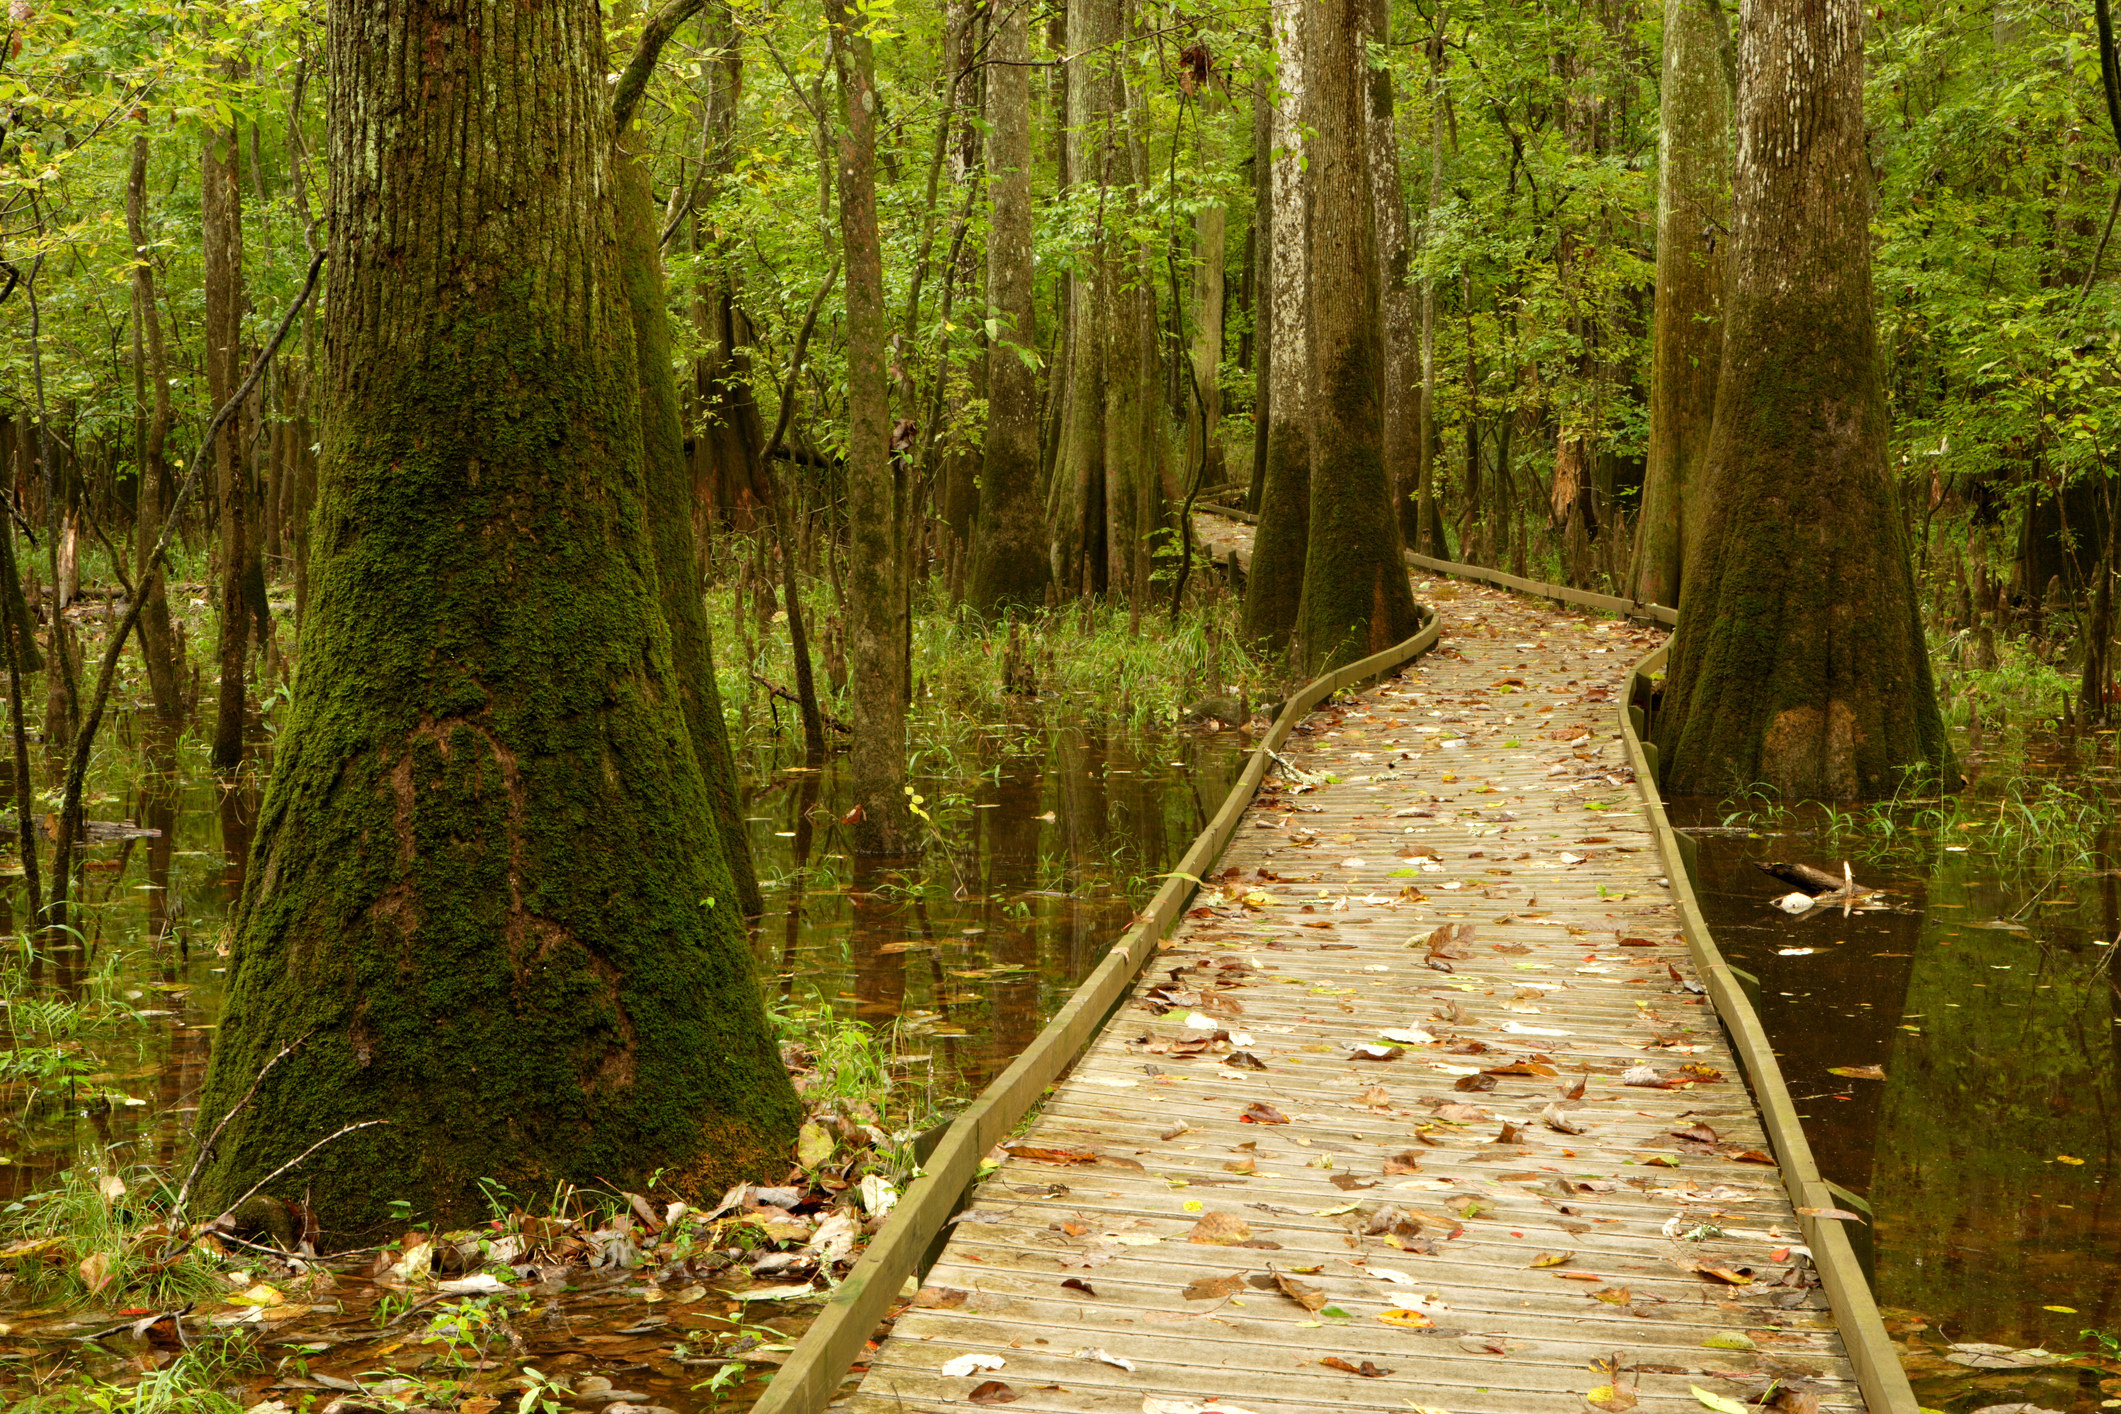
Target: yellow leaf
(1412, 1320)
(2066, 1159)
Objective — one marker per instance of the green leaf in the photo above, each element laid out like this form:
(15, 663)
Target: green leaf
(1717, 1401)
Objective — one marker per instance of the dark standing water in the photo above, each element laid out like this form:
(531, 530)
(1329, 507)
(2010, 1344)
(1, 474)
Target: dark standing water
(1046, 838)
(1984, 994)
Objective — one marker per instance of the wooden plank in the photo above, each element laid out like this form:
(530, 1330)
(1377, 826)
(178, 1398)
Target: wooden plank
(1545, 973)
(806, 1381)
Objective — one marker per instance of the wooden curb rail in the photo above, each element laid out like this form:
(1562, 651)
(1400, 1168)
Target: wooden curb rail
(813, 1371)
(1870, 1350)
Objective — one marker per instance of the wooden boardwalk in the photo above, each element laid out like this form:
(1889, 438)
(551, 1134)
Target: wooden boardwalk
(1372, 1191)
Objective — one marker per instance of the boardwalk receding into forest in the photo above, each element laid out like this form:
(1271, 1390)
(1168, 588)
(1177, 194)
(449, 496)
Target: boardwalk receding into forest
(1326, 1152)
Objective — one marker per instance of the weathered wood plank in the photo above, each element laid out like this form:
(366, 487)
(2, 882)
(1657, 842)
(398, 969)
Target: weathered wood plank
(1486, 786)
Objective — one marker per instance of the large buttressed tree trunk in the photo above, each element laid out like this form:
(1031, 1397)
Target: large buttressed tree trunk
(1273, 592)
(1009, 565)
(1356, 600)
(1693, 176)
(478, 902)
(1799, 659)
(876, 493)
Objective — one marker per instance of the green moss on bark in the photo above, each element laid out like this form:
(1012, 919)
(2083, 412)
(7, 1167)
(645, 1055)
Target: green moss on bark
(479, 900)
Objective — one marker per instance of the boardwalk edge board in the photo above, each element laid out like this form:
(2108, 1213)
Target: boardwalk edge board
(813, 1371)
(1878, 1372)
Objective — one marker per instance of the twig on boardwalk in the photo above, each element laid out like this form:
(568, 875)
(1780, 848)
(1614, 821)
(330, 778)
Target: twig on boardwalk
(1296, 773)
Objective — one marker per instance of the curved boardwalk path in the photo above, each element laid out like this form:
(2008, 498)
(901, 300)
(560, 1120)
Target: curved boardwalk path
(1148, 1241)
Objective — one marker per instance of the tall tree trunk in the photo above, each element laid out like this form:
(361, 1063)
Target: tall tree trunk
(1425, 515)
(1204, 450)
(669, 505)
(1400, 309)
(1275, 587)
(1261, 244)
(157, 639)
(1009, 565)
(1108, 477)
(1356, 600)
(876, 490)
(221, 250)
(1693, 208)
(477, 907)
(1799, 659)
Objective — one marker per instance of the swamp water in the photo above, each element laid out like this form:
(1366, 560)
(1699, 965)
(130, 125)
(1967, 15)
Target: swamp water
(1046, 839)
(1956, 1052)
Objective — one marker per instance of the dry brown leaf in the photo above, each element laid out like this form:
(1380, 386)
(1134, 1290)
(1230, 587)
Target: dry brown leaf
(1215, 1288)
(1302, 1293)
(1219, 1230)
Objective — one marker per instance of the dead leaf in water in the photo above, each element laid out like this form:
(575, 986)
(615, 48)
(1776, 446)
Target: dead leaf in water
(1858, 1072)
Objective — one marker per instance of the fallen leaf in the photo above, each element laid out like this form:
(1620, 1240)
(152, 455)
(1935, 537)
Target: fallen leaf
(1406, 1161)
(95, 1275)
(1730, 1340)
(1858, 1072)
(1078, 1284)
(1474, 1083)
(1726, 1275)
(972, 1364)
(1370, 1052)
(1839, 1215)
(1302, 1293)
(1556, 1118)
(1175, 1130)
(1105, 1357)
(1219, 1230)
(1244, 1060)
(1215, 1288)
(2066, 1159)
(1260, 1113)
(1716, 1401)
(1550, 1259)
(1617, 1398)
(1412, 1320)
(1613, 1295)
(1511, 1134)
(993, 1392)
(1365, 1369)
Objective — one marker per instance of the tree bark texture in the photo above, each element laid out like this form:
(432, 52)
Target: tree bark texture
(1010, 567)
(1261, 244)
(670, 525)
(1106, 492)
(478, 901)
(150, 365)
(1356, 600)
(1275, 588)
(876, 489)
(1799, 658)
(221, 254)
(1693, 213)
(1399, 310)
(1425, 514)
(1204, 448)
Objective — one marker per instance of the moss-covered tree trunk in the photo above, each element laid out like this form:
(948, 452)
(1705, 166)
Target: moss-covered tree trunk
(1356, 599)
(478, 898)
(1009, 562)
(221, 255)
(1274, 591)
(1693, 209)
(876, 489)
(669, 481)
(1799, 659)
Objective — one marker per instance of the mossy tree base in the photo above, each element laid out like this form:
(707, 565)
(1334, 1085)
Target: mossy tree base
(486, 903)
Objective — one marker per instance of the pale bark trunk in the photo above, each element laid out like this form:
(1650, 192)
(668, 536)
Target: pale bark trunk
(157, 648)
(1425, 514)
(1400, 309)
(1009, 566)
(876, 493)
(1204, 452)
(221, 241)
(1273, 594)
(1693, 210)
